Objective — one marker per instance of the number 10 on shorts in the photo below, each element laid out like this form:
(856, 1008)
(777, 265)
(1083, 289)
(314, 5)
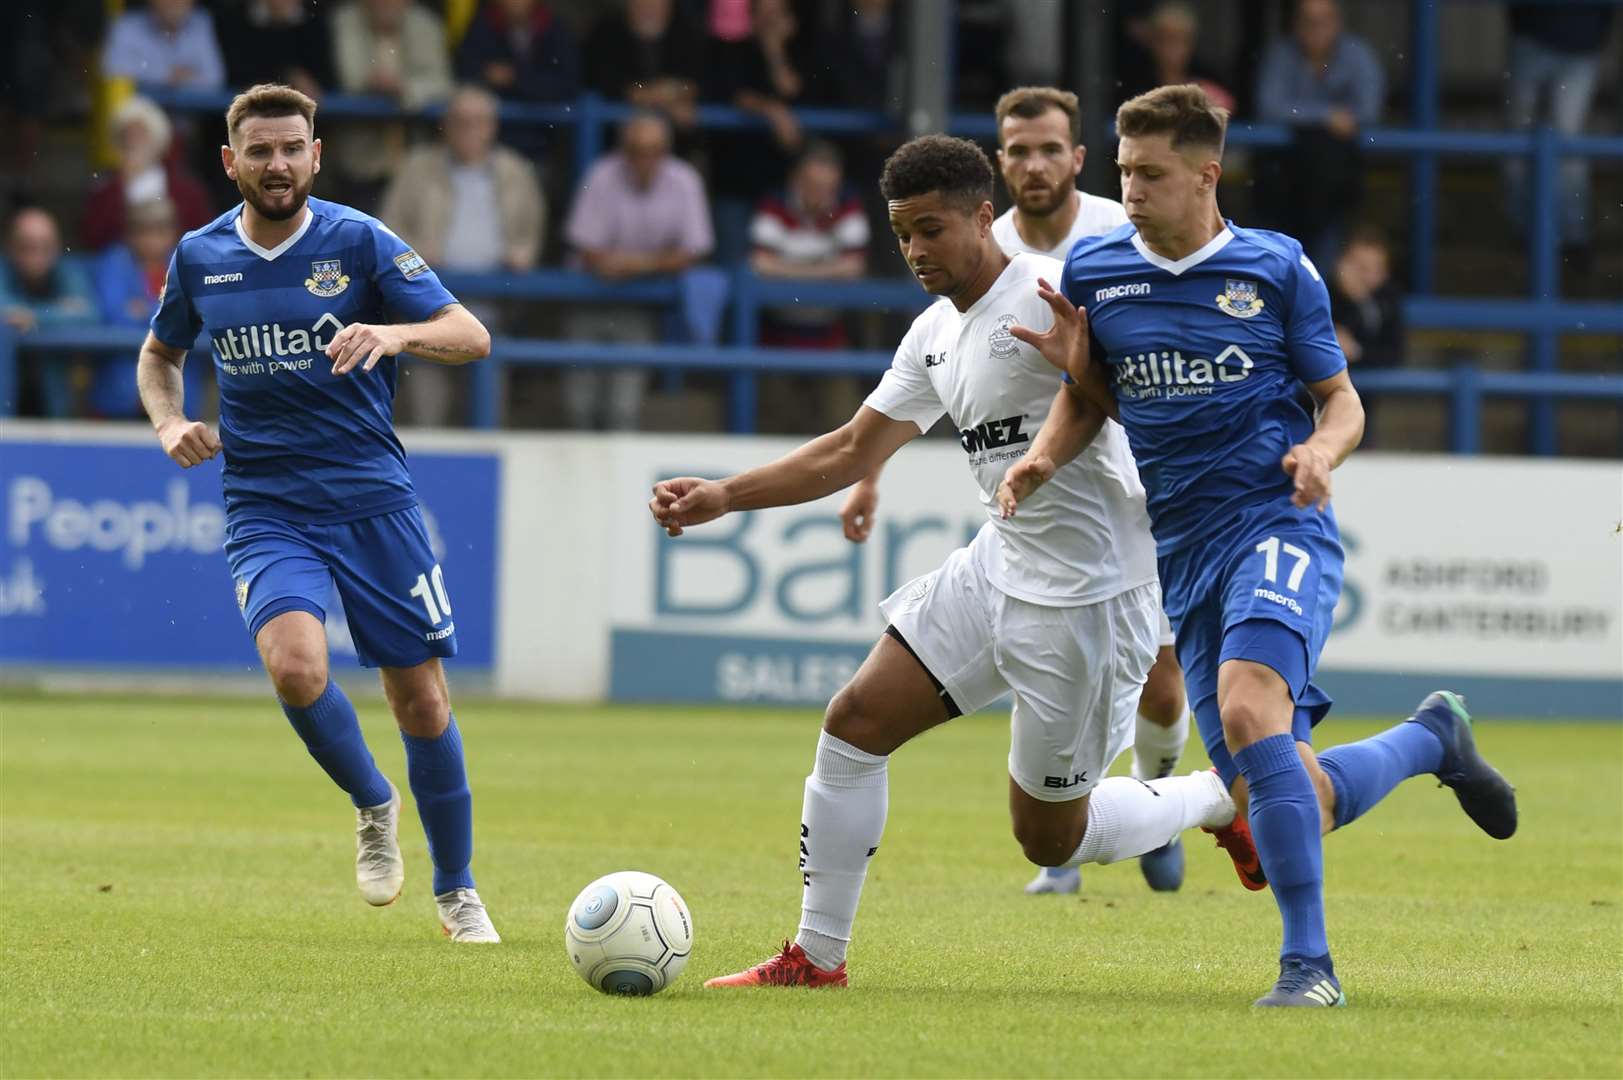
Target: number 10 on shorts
(430, 589)
(1270, 549)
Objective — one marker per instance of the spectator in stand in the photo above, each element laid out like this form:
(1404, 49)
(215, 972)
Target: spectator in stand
(1326, 84)
(1366, 309)
(40, 289)
(129, 279)
(648, 56)
(148, 170)
(466, 204)
(1169, 39)
(284, 41)
(1555, 54)
(522, 52)
(170, 43)
(813, 229)
(639, 211)
(391, 48)
(763, 73)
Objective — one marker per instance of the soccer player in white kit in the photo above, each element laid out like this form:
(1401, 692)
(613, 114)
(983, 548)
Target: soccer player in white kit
(1040, 155)
(1059, 606)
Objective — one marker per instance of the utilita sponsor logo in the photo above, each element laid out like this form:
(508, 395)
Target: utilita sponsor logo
(271, 341)
(1169, 373)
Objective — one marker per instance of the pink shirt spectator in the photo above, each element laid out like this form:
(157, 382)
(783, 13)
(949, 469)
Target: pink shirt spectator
(612, 214)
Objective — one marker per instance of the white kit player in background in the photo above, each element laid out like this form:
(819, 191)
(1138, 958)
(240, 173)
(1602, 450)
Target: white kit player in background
(1040, 155)
(1059, 606)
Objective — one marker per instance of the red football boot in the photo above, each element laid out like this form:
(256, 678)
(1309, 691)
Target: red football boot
(791, 967)
(1235, 838)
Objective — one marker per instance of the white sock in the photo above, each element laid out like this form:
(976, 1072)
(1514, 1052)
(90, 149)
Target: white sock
(841, 821)
(1156, 749)
(1127, 817)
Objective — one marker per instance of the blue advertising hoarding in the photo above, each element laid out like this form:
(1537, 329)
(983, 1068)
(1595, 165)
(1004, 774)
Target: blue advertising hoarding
(111, 556)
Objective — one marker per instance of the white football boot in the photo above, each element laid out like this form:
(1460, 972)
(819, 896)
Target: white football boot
(463, 917)
(380, 872)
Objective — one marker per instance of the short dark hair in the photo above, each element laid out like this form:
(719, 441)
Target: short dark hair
(1367, 235)
(957, 168)
(1184, 112)
(1030, 102)
(820, 150)
(269, 99)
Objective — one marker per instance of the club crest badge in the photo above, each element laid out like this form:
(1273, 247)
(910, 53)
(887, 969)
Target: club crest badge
(1239, 298)
(1001, 342)
(327, 278)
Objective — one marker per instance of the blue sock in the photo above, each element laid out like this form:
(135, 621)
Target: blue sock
(439, 783)
(333, 736)
(1363, 773)
(1284, 816)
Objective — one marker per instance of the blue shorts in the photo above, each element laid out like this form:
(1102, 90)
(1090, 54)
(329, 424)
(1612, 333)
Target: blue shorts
(383, 568)
(1265, 590)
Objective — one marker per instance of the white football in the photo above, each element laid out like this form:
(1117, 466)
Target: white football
(629, 933)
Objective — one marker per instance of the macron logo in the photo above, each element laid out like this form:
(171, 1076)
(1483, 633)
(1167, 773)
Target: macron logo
(1138, 288)
(221, 279)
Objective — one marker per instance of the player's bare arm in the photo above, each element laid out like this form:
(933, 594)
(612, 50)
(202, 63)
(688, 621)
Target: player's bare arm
(1339, 429)
(452, 335)
(1066, 346)
(820, 467)
(1073, 422)
(157, 377)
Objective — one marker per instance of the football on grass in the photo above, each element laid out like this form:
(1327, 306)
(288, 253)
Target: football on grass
(629, 933)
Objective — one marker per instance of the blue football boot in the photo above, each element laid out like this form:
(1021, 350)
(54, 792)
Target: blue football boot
(1486, 797)
(1163, 867)
(1302, 986)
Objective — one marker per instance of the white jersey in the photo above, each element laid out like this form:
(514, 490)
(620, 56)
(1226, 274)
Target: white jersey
(1094, 217)
(1082, 537)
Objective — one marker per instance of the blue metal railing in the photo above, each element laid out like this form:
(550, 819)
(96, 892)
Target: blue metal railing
(1465, 385)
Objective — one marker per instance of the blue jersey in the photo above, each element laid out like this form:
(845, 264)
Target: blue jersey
(301, 444)
(1205, 356)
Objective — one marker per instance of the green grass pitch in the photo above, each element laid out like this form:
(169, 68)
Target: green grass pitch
(178, 900)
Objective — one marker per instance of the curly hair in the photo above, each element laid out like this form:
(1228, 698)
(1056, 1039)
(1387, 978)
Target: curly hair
(957, 168)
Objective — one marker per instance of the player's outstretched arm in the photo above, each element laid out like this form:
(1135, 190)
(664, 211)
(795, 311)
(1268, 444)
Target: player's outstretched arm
(163, 395)
(1339, 429)
(1067, 346)
(452, 335)
(818, 468)
(1073, 422)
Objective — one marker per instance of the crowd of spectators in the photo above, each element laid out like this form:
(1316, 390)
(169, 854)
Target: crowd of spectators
(669, 197)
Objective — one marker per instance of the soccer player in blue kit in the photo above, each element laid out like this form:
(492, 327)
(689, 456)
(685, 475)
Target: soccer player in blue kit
(1195, 333)
(300, 298)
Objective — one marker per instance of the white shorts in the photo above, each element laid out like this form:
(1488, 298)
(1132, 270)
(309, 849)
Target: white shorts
(1075, 672)
(1168, 638)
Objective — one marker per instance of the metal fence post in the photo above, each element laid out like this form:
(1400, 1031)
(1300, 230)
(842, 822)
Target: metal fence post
(487, 386)
(8, 370)
(1466, 413)
(1423, 113)
(588, 133)
(1544, 274)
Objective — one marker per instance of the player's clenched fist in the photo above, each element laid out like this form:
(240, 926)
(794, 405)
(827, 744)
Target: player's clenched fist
(1024, 477)
(188, 442)
(359, 343)
(1310, 468)
(857, 513)
(687, 500)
